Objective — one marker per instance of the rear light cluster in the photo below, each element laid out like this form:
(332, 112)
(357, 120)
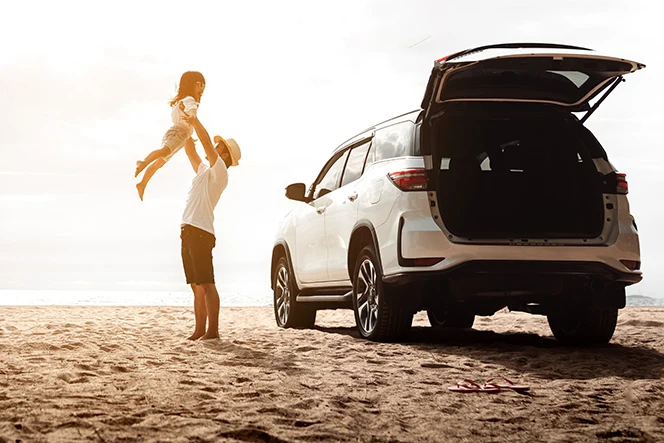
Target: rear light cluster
(632, 265)
(622, 186)
(409, 179)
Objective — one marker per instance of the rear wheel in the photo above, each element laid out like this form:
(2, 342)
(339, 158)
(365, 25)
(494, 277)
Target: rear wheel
(378, 315)
(586, 326)
(287, 311)
(455, 317)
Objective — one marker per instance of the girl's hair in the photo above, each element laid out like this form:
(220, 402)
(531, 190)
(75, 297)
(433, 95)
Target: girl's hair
(187, 86)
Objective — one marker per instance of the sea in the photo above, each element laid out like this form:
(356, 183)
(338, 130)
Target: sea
(24, 297)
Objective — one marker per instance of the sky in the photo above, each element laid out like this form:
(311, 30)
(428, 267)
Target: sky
(85, 90)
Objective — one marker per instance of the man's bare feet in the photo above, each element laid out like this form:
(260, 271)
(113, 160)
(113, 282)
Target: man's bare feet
(209, 336)
(196, 336)
(140, 165)
(140, 187)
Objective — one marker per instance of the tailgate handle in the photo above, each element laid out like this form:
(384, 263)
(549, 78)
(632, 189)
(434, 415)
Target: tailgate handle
(353, 196)
(320, 209)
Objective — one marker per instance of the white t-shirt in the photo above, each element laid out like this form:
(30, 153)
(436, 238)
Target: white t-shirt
(184, 107)
(206, 188)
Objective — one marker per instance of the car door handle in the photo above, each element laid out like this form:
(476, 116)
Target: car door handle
(320, 209)
(353, 196)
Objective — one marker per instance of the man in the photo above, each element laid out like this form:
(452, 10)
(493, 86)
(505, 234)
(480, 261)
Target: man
(197, 228)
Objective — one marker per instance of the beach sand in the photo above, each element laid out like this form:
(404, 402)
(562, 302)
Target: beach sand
(125, 374)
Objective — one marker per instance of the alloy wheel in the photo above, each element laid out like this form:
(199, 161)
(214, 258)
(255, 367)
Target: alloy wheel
(282, 295)
(367, 296)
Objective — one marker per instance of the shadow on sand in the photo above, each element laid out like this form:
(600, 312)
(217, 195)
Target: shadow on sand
(542, 356)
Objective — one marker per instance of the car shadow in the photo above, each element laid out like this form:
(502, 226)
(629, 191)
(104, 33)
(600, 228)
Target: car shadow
(527, 352)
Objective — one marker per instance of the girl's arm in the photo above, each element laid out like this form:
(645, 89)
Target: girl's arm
(192, 155)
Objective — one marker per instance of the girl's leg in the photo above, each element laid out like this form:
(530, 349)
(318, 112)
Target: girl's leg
(154, 155)
(154, 166)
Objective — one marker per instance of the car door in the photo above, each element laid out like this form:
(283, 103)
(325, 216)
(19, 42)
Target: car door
(341, 212)
(310, 241)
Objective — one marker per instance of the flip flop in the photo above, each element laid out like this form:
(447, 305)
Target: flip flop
(505, 383)
(471, 386)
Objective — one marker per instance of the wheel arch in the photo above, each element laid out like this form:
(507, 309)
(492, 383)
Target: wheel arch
(279, 250)
(363, 234)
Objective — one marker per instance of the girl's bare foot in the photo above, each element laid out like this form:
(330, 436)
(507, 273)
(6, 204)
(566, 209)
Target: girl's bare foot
(140, 165)
(140, 187)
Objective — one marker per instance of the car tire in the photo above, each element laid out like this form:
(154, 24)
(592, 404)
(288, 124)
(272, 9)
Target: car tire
(583, 327)
(288, 313)
(378, 315)
(440, 318)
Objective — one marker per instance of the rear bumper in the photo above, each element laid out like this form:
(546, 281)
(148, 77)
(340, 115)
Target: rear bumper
(485, 275)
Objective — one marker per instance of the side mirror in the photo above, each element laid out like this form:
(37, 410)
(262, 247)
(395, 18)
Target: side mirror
(296, 192)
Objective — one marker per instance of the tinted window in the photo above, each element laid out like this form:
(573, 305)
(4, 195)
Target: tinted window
(394, 141)
(330, 180)
(355, 163)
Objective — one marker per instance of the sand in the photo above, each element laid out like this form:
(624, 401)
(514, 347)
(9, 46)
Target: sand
(125, 374)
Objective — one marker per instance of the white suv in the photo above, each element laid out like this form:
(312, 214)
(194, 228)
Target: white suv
(494, 194)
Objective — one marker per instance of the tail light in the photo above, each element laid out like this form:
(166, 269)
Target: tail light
(622, 187)
(409, 179)
(632, 265)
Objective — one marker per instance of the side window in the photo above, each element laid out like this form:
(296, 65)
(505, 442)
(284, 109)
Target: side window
(330, 180)
(394, 141)
(355, 163)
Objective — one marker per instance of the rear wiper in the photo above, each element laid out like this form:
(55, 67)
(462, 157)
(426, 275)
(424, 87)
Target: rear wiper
(616, 82)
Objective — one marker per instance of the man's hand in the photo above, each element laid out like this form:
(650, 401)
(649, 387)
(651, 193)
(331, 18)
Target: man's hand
(192, 155)
(204, 137)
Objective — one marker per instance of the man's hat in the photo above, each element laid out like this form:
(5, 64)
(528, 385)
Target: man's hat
(233, 150)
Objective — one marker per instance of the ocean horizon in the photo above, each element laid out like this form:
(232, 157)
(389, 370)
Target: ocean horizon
(81, 297)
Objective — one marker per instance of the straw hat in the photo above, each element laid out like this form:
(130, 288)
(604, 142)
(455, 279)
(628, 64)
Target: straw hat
(233, 149)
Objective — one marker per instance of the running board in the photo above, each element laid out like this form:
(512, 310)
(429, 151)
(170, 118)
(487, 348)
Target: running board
(346, 298)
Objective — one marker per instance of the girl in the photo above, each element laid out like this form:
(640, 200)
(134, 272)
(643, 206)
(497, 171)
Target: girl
(185, 103)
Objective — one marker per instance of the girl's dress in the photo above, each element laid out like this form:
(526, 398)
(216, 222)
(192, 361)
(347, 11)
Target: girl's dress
(177, 135)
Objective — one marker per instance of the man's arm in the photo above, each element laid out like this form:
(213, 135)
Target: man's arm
(204, 137)
(194, 159)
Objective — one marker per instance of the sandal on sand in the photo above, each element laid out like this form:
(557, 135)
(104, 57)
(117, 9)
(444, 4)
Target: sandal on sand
(471, 386)
(505, 383)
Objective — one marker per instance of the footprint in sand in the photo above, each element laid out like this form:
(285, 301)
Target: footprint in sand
(109, 348)
(252, 394)
(250, 434)
(435, 365)
(305, 349)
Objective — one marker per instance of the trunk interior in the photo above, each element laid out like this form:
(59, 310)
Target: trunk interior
(516, 175)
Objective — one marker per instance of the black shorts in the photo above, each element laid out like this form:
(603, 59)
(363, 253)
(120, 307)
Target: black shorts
(197, 247)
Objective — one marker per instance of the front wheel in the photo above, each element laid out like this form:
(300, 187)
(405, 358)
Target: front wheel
(379, 317)
(287, 311)
(585, 326)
